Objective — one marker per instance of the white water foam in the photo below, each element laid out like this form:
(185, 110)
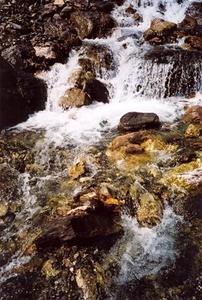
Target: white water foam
(147, 250)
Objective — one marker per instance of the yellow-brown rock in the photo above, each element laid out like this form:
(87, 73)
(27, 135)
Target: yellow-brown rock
(150, 210)
(192, 131)
(48, 270)
(78, 169)
(3, 209)
(74, 97)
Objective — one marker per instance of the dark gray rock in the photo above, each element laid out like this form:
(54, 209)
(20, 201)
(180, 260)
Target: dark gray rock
(136, 120)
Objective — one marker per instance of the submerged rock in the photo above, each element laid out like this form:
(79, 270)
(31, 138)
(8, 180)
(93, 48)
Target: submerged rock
(135, 121)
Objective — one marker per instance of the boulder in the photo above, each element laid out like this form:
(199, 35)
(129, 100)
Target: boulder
(21, 94)
(135, 121)
(81, 225)
(160, 32)
(97, 91)
(74, 97)
(80, 77)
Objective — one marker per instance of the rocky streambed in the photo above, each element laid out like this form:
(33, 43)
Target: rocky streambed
(100, 191)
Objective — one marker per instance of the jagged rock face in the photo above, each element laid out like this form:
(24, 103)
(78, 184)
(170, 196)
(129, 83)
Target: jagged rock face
(21, 94)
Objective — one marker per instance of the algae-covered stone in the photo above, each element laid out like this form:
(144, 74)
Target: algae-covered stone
(78, 169)
(192, 131)
(48, 269)
(150, 210)
(175, 178)
(3, 209)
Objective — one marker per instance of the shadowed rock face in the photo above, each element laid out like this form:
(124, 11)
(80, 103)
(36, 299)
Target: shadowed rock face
(21, 94)
(135, 121)
(82, 225)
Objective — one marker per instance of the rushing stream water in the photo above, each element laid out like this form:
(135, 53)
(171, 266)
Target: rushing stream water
(135, 84)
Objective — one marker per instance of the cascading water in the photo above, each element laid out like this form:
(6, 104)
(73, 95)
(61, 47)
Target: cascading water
(135, 84)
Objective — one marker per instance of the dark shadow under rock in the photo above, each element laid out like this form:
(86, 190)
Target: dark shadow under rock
(21, 94)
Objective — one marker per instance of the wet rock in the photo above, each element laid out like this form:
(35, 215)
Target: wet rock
(193, 115)
(193, 42)
(98, 58)
(82, 225)
(188, 25)
(21, 95)
(84, 24)
(89, 25)
(80, 77)
(94, 88)
(192, 131)
(184, 75)
(9, 183)
(48, 270)
(160, 32)
(59, 2)
(135, 121)
(178, 177)
(134, 149)
(97, 91)
(150, 210)
(3, 209)
(45, 51)
(18, 55)
(78, 169)
(195, 10)
(74, 97)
